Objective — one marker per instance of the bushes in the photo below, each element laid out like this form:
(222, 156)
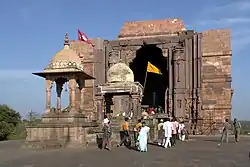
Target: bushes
(9, 119)
(5, 130)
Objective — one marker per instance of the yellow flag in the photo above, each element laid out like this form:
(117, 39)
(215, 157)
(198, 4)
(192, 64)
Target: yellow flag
(153, 69)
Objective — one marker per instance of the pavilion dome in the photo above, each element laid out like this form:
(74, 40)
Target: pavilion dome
(120, 72)
(65, 60)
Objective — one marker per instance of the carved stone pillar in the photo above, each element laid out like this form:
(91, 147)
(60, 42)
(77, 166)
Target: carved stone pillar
(136, 106)
(72, 87)
(81, 86)
(99, 105)
(49, 84)
(59, 88)
(170, 81)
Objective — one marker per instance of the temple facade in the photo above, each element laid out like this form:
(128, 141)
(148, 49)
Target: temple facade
(197, 69)
(107, 79)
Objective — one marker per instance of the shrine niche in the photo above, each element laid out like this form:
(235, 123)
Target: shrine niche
(120, 95)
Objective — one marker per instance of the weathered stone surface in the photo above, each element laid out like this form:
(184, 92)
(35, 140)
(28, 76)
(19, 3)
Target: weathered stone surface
(216, 41)
(216, 83)
(84, 50)
(88, 97)
(120, 72)
(152, 27)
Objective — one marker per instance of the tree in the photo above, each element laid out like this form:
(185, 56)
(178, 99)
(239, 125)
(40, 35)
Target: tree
(33, 117)
(9, 119)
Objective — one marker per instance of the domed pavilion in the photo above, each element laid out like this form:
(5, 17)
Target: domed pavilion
(65, 67)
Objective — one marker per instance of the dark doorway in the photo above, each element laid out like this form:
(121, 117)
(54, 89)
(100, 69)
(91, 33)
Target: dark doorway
(155, 87)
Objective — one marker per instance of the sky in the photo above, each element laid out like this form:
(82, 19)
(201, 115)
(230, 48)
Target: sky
(31, 32)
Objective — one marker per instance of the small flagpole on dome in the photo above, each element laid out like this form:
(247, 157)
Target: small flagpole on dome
(66, 40)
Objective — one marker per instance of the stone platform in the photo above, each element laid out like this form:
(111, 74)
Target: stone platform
(62, 130)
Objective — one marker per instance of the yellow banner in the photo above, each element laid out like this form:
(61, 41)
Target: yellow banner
(153, 69)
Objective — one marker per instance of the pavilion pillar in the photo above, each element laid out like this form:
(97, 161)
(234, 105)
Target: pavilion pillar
(49, 84)
(59, 88)
(72, 87)
(82, 89)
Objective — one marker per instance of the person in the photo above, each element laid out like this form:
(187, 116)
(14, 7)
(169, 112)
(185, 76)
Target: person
(225, 131)
(144, 115)
(188, 128)
(106, 135)
(182, 131)
(105, 119)
(143, 138)
(175, 128)
(160, 133)
(137, 129)
(138, 125)
(167, 127)
(237, 127)
(125, 138)
(160, 110)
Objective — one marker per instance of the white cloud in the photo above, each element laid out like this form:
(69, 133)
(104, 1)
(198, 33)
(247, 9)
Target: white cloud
(234, 15)
(236, 5)
(226, 21)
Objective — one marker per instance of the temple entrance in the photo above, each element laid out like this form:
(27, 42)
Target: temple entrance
(155, 84)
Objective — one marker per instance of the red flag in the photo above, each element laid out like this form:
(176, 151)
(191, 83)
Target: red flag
(83, 37)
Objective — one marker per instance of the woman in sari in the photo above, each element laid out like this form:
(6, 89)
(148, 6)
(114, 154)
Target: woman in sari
(143, 138)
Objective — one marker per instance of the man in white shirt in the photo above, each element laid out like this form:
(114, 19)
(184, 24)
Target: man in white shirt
(168, 128)
(105, 120)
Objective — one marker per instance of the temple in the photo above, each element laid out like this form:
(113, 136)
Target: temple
(111, 78)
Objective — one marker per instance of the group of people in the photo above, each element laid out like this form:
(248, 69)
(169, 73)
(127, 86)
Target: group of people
(171, 130)
(141, 133)
(235, 126)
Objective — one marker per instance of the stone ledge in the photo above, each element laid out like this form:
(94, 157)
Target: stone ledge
(61, 125)
(63, 115)
(221, 53)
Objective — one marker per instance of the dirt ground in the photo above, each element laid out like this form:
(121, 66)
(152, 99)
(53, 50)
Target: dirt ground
(199, 152)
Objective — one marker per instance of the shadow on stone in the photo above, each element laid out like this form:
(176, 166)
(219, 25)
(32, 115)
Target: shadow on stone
(99, 141)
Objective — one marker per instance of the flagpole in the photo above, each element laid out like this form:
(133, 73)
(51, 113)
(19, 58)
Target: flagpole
(145, 81)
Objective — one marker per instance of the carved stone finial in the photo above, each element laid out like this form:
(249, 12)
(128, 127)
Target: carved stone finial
(66, 40)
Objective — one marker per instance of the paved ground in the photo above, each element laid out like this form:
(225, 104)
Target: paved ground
(200, 152)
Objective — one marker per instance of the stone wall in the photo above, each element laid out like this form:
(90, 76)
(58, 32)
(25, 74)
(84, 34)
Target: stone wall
(133, 30)
(93, 61)
(216, 79)
(60, 135)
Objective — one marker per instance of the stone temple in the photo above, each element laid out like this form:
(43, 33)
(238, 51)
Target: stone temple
(111, 78)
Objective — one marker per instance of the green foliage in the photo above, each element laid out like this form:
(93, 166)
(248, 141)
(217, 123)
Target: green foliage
(9, 119)
(18, 133)
(5, 130)
(9, 115)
